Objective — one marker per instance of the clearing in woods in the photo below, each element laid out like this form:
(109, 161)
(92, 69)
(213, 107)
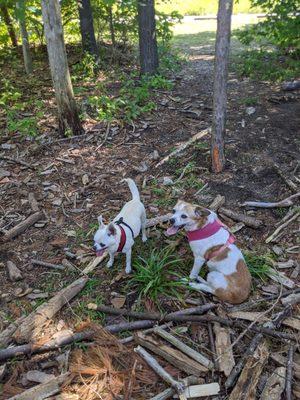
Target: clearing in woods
(75, 180)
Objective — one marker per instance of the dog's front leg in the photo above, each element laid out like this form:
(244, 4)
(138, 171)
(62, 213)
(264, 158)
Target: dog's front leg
(111, 260)
(128, 261)
(198, 262)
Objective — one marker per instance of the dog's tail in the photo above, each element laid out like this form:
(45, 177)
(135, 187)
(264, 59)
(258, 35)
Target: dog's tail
(133, 188)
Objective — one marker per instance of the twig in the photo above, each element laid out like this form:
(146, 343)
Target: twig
(272, 237)
(105, 137)
(282, 203)
(47, 265)
(183, 146)
(179, 387)
(288, 182)
(289, 373)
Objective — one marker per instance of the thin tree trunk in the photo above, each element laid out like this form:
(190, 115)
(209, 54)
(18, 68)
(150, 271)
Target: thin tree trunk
(9, 25)
(21, 7)
(111, 27)
(220, 85)
(147, 37)
(67, 110)
(87, 27)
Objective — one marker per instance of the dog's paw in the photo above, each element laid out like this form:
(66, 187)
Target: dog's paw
(193, 277)
(194, 285)
(109, 264)
(144, 238)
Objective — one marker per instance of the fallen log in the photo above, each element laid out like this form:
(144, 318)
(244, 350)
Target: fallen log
(42, 391)
(287, 202)
(183, 146)
(22, 226)
(246, 219)
(247, 383)
(32, 325)
(195, 355)
(178, 386)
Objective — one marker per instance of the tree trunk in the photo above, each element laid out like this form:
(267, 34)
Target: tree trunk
(87, 27)
(67, 110)
(220, 85)
(9, 25)
(25, 42)
(147, 37)
(111, 26)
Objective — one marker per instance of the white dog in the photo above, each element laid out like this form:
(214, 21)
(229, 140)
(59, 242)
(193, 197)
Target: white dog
(118, 236)
(211, 242)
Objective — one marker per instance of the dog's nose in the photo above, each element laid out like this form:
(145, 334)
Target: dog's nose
(102, 244)
(172, 220)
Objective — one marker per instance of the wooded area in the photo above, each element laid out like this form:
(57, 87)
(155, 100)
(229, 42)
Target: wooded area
(202, 108)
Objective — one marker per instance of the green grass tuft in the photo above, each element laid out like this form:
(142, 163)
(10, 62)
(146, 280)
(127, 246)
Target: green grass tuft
(259, 265)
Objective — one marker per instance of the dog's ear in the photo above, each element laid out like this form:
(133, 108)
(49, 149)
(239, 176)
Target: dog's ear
(100, 220)
(201, 212)
(112, 229)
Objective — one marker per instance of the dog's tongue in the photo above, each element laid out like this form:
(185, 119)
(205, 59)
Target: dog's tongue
(100, 253)
(172, 231)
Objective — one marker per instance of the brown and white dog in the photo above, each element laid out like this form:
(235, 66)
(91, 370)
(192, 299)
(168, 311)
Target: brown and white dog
(212, 243)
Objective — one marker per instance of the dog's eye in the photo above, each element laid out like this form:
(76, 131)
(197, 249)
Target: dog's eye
(183, 216)
(109, 234)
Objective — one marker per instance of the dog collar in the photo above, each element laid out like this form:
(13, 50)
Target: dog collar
(207, 231)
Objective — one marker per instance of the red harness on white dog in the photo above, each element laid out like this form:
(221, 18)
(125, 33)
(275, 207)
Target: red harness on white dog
(210, 230)
(121, 222)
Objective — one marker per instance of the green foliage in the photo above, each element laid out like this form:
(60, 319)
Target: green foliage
(259, 265)
(134, 98)
(156, 274)
(86, 68)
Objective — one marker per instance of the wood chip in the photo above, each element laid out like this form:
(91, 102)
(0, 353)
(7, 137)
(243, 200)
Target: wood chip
(223, 349)
(13, 272)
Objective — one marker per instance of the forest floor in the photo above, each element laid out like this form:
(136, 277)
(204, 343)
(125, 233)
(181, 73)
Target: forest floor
(74, 180)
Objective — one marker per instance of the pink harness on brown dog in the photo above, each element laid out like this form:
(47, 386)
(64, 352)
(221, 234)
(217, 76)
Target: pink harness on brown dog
(210, 230)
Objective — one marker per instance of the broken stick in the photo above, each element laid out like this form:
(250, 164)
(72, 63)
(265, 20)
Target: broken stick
(33, 323)
(183, 146)
(272, 237)
(47, 264)
(246, 219)
(22, 226)
(179, 387)
(289, 373)
(184, 348)
(282, 203)
(158, 220)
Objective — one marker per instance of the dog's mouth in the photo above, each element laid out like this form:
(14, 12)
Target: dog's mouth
(174, 229)
(100, 253)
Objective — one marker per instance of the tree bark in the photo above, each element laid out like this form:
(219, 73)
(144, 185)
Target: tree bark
(87, 27)
(9, 25)
(220, 85)
(111, 26)
(21, 7)
(147, 37)
(67, 110)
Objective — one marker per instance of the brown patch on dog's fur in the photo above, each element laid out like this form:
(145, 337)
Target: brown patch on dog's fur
(239, 285)
(219, 257)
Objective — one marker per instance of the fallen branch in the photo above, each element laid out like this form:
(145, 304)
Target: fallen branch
(158, 220)
(22, 226)
(47, 265)
(160, 371)
(282, 203)
(174, 357)
(272, 237)
(196, 318)
(129, 339)
(246, 385)
(93, 264)
(195, 355)
(33, 324)
(218, 202)
(66, 338)
(246, 219)
(289, 373)
(183, 146)
(42, 391)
